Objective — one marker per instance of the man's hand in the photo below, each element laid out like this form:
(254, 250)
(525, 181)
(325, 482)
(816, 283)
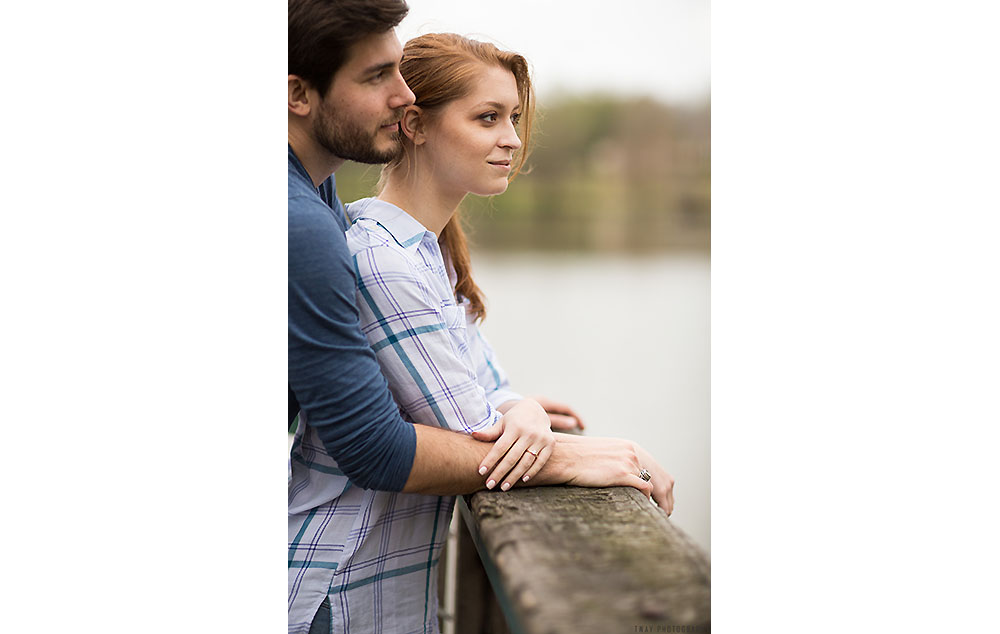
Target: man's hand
(663, 482)
(602, 462)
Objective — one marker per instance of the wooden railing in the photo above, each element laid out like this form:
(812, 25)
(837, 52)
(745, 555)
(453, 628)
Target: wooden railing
(575, 560)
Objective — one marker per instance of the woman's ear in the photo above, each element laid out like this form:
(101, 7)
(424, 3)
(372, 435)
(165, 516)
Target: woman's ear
(412, 124)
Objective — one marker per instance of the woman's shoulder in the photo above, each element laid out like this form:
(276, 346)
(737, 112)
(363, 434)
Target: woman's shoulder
(375, 252)
(384, 232)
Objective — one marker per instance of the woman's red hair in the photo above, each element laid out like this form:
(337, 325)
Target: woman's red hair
(439, 68)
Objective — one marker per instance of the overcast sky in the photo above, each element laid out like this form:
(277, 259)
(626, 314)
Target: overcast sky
(635, 47)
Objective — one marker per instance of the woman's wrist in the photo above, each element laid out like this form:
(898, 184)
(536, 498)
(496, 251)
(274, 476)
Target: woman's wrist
(506, 406)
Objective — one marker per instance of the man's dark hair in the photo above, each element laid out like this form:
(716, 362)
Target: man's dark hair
(320, 32)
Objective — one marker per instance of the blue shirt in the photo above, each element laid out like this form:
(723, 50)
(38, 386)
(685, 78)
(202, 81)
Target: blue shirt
(349, 424)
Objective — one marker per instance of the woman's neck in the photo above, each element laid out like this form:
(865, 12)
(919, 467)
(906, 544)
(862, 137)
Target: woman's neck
(422, 199)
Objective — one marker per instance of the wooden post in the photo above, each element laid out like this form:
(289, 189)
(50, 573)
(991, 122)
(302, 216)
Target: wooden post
(476, 610)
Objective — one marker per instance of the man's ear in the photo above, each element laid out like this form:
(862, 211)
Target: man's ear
(298, 96)
(412, 124)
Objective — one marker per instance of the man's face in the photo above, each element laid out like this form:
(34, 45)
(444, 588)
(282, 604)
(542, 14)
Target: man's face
(358, 119)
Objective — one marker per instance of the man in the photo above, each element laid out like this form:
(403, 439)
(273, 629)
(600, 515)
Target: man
(345, 98)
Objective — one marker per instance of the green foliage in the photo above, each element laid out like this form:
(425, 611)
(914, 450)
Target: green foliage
(606, 174)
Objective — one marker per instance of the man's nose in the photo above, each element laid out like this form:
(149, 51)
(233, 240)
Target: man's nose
(401, 95)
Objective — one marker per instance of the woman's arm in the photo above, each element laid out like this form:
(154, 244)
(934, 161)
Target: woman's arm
(529, 437)
(561, 415)
(494, 380)
(489, 372)
(408, 327)
(420, 339)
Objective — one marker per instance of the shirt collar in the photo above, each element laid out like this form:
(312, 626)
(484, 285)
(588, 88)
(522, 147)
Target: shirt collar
(403, 227)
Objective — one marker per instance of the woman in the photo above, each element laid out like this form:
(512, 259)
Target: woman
(412, 261)
(419, 309)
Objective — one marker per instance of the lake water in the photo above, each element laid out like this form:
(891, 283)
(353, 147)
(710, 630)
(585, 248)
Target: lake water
(626, 342)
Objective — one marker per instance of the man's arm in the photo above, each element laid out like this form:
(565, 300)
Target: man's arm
(446, 463)
(331, 368)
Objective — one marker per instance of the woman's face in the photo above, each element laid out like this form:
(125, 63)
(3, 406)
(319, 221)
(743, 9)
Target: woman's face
(471, 141)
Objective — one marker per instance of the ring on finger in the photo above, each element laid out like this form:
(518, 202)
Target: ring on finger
(644, 475)
(533, 453)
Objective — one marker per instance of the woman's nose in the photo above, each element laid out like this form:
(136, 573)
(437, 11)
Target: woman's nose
(510, 138)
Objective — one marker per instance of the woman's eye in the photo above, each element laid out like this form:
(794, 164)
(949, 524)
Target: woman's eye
(491, 117)
(515, 118)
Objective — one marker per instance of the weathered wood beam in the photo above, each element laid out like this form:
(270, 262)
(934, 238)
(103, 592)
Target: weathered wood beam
(578, 560)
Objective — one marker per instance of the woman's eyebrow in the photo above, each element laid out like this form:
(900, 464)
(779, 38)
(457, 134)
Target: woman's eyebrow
(497, 105)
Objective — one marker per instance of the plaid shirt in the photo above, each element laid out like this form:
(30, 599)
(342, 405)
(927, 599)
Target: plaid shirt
(375, 553)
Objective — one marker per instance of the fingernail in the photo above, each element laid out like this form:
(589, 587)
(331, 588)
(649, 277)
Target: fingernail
(482, 470)
(525, 478)
(489, 485)
(505, 486)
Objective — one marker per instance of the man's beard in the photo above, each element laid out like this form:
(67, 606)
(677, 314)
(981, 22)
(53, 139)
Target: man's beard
(345, 140)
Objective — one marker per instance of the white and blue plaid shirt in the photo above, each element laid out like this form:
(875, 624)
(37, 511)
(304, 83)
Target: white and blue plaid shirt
(375, 553)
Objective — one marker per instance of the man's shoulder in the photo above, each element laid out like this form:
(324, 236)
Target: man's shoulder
(316, 208)
(313, 228)
(309, 213)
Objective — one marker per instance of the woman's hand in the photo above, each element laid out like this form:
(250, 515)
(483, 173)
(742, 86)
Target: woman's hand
(524, 442)
(561, 415)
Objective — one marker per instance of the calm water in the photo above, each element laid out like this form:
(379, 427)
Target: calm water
(626, 341)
